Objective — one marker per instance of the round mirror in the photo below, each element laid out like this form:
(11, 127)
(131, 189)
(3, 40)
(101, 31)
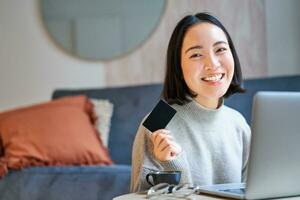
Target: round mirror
(101, 29)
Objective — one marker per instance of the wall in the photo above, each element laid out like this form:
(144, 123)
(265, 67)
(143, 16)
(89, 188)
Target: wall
(240, 18)
(32, 66)
(283, 37)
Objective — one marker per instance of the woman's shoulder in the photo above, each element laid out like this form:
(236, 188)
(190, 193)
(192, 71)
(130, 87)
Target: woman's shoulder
(234, 115)
(232, 112)
(238, 121)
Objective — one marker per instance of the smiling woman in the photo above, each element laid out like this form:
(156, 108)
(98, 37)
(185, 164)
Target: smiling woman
(101, 29)
(206, 140)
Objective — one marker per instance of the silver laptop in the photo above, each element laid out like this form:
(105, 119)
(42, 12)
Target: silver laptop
(274, 162)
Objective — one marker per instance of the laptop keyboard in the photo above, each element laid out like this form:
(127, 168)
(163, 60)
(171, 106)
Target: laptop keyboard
(236, 191)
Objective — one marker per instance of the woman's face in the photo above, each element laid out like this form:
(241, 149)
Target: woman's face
(207, 63)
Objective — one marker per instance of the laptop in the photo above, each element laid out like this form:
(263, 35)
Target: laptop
(274, 162)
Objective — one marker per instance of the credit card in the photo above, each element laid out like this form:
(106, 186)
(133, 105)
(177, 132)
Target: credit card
(159, 117)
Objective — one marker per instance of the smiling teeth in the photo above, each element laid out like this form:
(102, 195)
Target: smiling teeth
(213, 78)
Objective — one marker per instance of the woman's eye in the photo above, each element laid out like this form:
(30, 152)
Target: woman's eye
(221, 50)
(195, 55)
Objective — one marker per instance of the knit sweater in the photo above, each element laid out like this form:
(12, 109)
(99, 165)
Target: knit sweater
(215, 147)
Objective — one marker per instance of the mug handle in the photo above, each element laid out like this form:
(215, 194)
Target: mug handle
(148, 180)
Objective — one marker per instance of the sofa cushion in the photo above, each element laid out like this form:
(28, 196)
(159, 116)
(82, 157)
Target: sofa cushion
(60, 132)
(131, 104)
(103, 109)
(66, 183)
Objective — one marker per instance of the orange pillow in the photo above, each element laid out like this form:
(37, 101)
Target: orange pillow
(61, 132)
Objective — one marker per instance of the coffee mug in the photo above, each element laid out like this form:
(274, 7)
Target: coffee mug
(170, 177)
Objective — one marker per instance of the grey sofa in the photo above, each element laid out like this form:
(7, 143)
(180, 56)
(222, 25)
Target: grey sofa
(131, 104)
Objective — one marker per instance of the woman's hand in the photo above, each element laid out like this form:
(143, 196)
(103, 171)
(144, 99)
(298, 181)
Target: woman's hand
(164, 146)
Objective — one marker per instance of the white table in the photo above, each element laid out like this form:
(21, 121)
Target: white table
(134, 196)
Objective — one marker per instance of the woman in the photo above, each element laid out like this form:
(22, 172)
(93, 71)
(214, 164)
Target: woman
(206, 140)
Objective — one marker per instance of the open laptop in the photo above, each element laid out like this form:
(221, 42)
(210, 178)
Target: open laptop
(274, 162)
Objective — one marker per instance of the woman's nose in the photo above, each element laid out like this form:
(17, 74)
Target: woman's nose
(212, 62)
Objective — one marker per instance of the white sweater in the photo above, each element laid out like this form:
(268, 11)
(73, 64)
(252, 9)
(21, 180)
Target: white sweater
(215, 144)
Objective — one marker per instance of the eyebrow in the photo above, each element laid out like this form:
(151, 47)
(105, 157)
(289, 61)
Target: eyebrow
(220, 42)
(194, 47)
(200, 47)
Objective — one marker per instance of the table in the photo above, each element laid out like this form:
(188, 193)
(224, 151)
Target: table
(135, 196)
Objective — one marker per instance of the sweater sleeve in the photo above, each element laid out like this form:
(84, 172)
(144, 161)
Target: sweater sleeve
(179, 164)
(143, 162)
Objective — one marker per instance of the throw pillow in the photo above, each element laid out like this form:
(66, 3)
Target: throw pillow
(61, 132)
(103, 110)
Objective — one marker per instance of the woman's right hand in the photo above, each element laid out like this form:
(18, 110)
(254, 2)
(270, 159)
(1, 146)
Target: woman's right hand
(164, 146)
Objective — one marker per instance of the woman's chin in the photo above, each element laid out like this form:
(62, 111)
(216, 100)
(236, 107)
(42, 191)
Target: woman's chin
(216, 94)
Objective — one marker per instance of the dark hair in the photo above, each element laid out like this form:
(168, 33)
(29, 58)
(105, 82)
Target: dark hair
(175, 89)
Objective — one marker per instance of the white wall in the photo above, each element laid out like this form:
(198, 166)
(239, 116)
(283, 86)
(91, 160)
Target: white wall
(31, 66)
(283, 37)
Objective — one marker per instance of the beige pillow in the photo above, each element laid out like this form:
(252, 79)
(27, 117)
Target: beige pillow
(103, 109)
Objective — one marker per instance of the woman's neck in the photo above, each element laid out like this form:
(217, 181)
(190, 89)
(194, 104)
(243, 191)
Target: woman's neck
(208, 103)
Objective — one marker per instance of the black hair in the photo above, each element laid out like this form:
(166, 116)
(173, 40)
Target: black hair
(175, 89)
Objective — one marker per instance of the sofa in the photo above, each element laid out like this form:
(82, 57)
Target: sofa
(131, 104)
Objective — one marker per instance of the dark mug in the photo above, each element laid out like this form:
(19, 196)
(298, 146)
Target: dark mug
(170, 177)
